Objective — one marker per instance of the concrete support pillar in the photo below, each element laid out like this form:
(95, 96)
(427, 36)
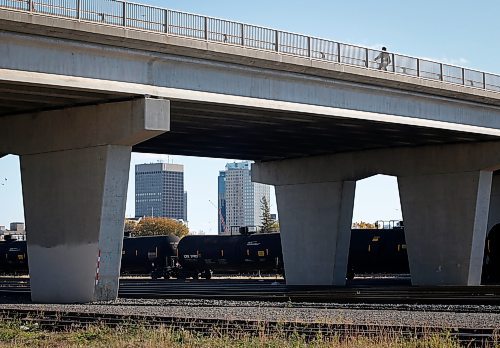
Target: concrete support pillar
(445, 198)
(494, 211)
(74, 167)
(491, 258)
(75, 207)
(315, 224)
(445, 218)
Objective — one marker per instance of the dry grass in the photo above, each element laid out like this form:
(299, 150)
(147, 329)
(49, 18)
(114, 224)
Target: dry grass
(17, 334)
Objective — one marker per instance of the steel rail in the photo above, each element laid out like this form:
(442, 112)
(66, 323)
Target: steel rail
(149, 18)
(60, 320)
(340, 295)
(279, 292)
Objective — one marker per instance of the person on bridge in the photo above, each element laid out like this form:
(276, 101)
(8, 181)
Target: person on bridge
(385, 59)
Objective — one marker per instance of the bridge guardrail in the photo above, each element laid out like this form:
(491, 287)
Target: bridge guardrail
(144, 17)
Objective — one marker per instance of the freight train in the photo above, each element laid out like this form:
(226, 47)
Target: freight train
(204, 255)
(380, 250)
(140, 255)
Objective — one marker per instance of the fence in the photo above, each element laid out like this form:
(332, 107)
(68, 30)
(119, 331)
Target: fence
(132, 15)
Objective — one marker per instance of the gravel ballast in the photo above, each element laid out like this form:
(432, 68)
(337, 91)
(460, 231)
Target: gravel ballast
(453, 316)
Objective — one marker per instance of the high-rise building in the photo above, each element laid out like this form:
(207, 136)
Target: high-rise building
(159, 191)
(239, 198)
(221, 199)
(185, 204)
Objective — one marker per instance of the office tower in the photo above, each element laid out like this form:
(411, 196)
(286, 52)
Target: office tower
(159, 191)
(221, 199)
(239, 198)
(185, 204)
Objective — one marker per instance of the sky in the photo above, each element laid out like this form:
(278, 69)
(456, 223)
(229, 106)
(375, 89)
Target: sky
(459, 32)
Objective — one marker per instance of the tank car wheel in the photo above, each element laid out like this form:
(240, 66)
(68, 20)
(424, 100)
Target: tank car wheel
(207, 274)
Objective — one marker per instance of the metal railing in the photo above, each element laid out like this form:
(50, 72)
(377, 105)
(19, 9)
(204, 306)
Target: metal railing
(144, 17)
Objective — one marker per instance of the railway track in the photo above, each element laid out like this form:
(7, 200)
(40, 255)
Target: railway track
(57, 320)
(279, 292)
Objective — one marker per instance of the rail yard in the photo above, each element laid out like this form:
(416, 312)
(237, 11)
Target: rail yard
(469, 314)
(378, 299)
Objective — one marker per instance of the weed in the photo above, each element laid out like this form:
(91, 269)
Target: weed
(141, 336)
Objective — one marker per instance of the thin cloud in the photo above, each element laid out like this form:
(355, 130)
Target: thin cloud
(450, 61)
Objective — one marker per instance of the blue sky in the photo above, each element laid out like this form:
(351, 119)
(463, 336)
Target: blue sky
(458, 32)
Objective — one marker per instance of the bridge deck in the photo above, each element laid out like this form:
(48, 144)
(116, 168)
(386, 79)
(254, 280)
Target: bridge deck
(218, 125)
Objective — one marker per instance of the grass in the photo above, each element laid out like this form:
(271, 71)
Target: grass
(17, 334)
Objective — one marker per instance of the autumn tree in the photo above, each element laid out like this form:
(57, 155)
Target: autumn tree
(363, 225)
(158, 226)
(129, 226)
(268, 223)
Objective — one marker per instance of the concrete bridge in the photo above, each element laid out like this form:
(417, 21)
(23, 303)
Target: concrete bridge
(82, 87)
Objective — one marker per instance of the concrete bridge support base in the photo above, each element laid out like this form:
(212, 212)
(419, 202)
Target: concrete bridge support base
(445, 218)
(494, 211)
(491, 259)
(74, 168)
(445, 195)
(315, 223)
(75, 202)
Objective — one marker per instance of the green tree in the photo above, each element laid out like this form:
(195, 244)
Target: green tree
(268, 223)
(158, 226)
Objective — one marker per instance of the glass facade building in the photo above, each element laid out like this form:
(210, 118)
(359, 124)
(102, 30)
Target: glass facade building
(159, 191)
(239, 199)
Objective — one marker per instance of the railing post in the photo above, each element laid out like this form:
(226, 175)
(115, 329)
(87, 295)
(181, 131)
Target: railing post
(441, 71)
(242, 34)
(30, 4)
(463, 76)
(484, 81)
(366, 57)
(205, 30)
(393, 63)
(166, 21)
(277, 40)
(124, 19)
(339, 58)
(418, 67)
(78, 8)
(309, 46)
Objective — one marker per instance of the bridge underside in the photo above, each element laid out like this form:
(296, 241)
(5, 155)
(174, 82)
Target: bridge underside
(228, 131)
(257, 134)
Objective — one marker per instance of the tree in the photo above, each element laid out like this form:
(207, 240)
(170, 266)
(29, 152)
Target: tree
(158, 226)
(268, 223)
(363, 225)
(129, 226)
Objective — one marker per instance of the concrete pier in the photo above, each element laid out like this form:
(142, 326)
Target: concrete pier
(494, 210)
(445, 197)
(315, 224)
(445, 219)
(74, 167)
